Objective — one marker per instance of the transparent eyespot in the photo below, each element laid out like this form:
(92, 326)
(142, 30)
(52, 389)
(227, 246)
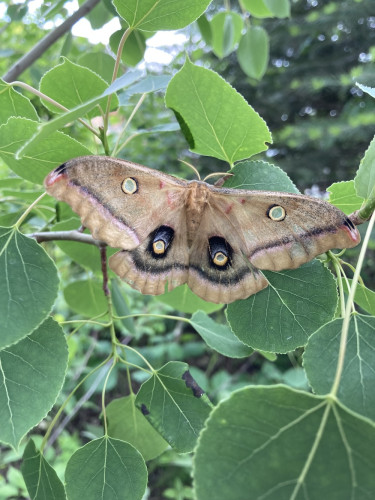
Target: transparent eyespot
(158, 247)
(129, 185)
(220, 259)
(276, 213)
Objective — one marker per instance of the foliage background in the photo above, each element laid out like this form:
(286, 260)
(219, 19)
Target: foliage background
(321, 125)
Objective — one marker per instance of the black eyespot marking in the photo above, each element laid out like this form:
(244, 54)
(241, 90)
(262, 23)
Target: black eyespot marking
(160, 242)
(276, 213)
(348, 223)
(61, 169)
(129, 185)
(219, 252)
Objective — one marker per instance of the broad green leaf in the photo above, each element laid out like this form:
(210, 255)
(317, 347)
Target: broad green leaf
(32, 373)
(86, 297)
(73, 85)
(151, 15)
(28, 285)
(122, 308)
(365, 179)
(279, 443)
(205, 28)
(43, 156)
(87, 256)
(279, 8)
(175, 405)
(13, 103)
(365, 88)
(106, 469)
(364, 297)
(47, 128)
(344, 196)
(127, 423)
(216, 120)
(283, 316)
(150, 83)
(219, 337)
(184, 300)
(357, 382)
(257, 8)
(99, 62)
(226, 30)
(41, 479)
(134, 47)
(259, 175)
(253, 52)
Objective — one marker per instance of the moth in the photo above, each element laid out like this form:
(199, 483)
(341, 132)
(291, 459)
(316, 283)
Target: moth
(171, 231)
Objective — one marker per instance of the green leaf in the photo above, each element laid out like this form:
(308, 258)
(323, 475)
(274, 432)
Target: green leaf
(257, 8)
(13, 103)
(279, 8)
(253, 52)
(151, 15)
(365, 179)
(28, 285)
(226, 30)
(205, 29)
(259, 175)
(47, 128)
(41, 479)
(134, 47)
(219, 337)
(175, 405)
(32, 373)
(72, 85)
(87, 256)
(230, 131)
(106, 468)
(151, 83)
(279, 443)
(86, 297)
(364, 297)
(283, 316)
(127, 423)
(357, 382)
(344, 196)
(43, 156)
(122, 309)
(100, 63)
(184, 300)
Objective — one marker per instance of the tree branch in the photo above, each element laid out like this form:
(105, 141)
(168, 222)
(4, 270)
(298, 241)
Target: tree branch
(73, 235)
(28, 59)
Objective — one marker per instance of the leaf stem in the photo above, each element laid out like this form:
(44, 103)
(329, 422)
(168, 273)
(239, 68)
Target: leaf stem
(348, 309)
(55, 103)
(28, 210)
(62, 407)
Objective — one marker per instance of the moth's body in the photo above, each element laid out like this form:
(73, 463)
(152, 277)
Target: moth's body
(214, 239)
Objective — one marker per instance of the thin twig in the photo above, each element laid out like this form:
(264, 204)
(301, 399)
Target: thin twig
(73, 235)
(28, 59)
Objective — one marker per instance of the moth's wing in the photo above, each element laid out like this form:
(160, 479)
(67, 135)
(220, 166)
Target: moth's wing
(153, 273)
(93, 187)
(306, 227)
(237, 279)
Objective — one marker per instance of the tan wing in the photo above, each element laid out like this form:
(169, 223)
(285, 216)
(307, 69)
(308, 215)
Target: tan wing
(126, 205)
(281, 230)
(224, 282)
(93, 187)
